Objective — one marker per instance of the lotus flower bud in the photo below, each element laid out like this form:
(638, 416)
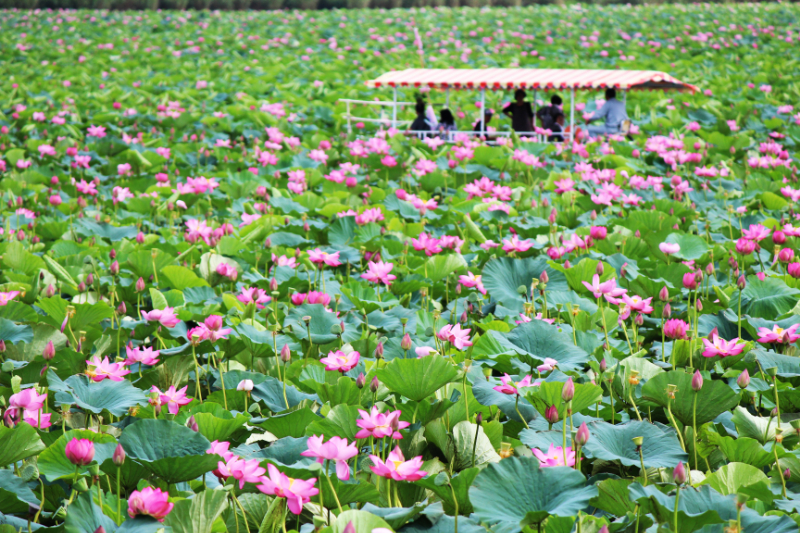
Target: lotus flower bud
(741, 283)
(119, 455)
(551, 414)
(568, 391)
(603, 365)
(582, 436)
(710, 269)
(100, 529)
(544, 278)
(122, 309)
(378, 350)
(744, 379)
(49, 351)
(140, 237)
(361, 380)
(689, 281)
(245, 385)
(600, 269)
(286, 353)
(2, 346)
(779, 237)
(374, 384)
(139, 285)
(464, 317)
(787, 474)
(80, 451)
(50, 291)
(698, 304)
(406, 343)
(697, 381)
(679, 474)
(81, 287)
(90, 278)
(114, 269)
(192, 424)
(112, 254)
(553, 215)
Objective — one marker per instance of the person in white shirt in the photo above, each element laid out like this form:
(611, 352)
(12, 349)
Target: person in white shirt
(613, 111)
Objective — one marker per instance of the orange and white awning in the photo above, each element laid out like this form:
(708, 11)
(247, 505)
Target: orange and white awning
(530, 78)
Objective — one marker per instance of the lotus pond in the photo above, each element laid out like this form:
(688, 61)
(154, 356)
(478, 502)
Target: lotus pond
(222, 311)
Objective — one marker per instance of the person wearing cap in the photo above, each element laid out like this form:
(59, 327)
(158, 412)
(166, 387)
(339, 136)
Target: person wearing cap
(614, 114)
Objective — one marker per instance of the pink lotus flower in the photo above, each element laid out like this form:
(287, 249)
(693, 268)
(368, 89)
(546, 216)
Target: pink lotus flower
(380, 425)
(721, 347)
(669, 248)
(340, 361)
(675, 328)
(745, 246)
(145, 356)
(96, 131)
(455, 335)
(149, 502)
(378, 272)
(523, 319)
(226, 270)
(221, 449)
(547, 365)
(174, 399)
(253, 294)
(554, 456)
(514, 244)
(637, 303)
(28, 399)
(397, 468)
(297, 492)
(430, 245)
(237, 468)
(510, 387)
(80, 452)
(756, 232)
(778, 335)
(166, 317)
(27, 405)
(424, 351)
(608, 289)
(337, 450)
(105, 370)
(471, 280)
(319, 257)
(6, 297)
(211, 329)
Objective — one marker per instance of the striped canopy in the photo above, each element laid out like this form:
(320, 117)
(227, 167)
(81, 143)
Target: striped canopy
(530, 78)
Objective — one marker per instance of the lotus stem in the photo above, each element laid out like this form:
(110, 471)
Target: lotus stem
(694, 429)
(516, 406)
(455, 503)
(778, 467)
(675, 424)
(675, 512)
(330, 484)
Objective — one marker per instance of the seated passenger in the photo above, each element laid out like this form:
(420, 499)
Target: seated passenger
(487, 117)
(520, 113)
(447, 123)
(552, 118)
(420, 124)
(613, 111)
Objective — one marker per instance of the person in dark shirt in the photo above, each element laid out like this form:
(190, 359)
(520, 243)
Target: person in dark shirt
(487, 117)
(552, 118)
(420, 123)
(447, 122)
(520, 113)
